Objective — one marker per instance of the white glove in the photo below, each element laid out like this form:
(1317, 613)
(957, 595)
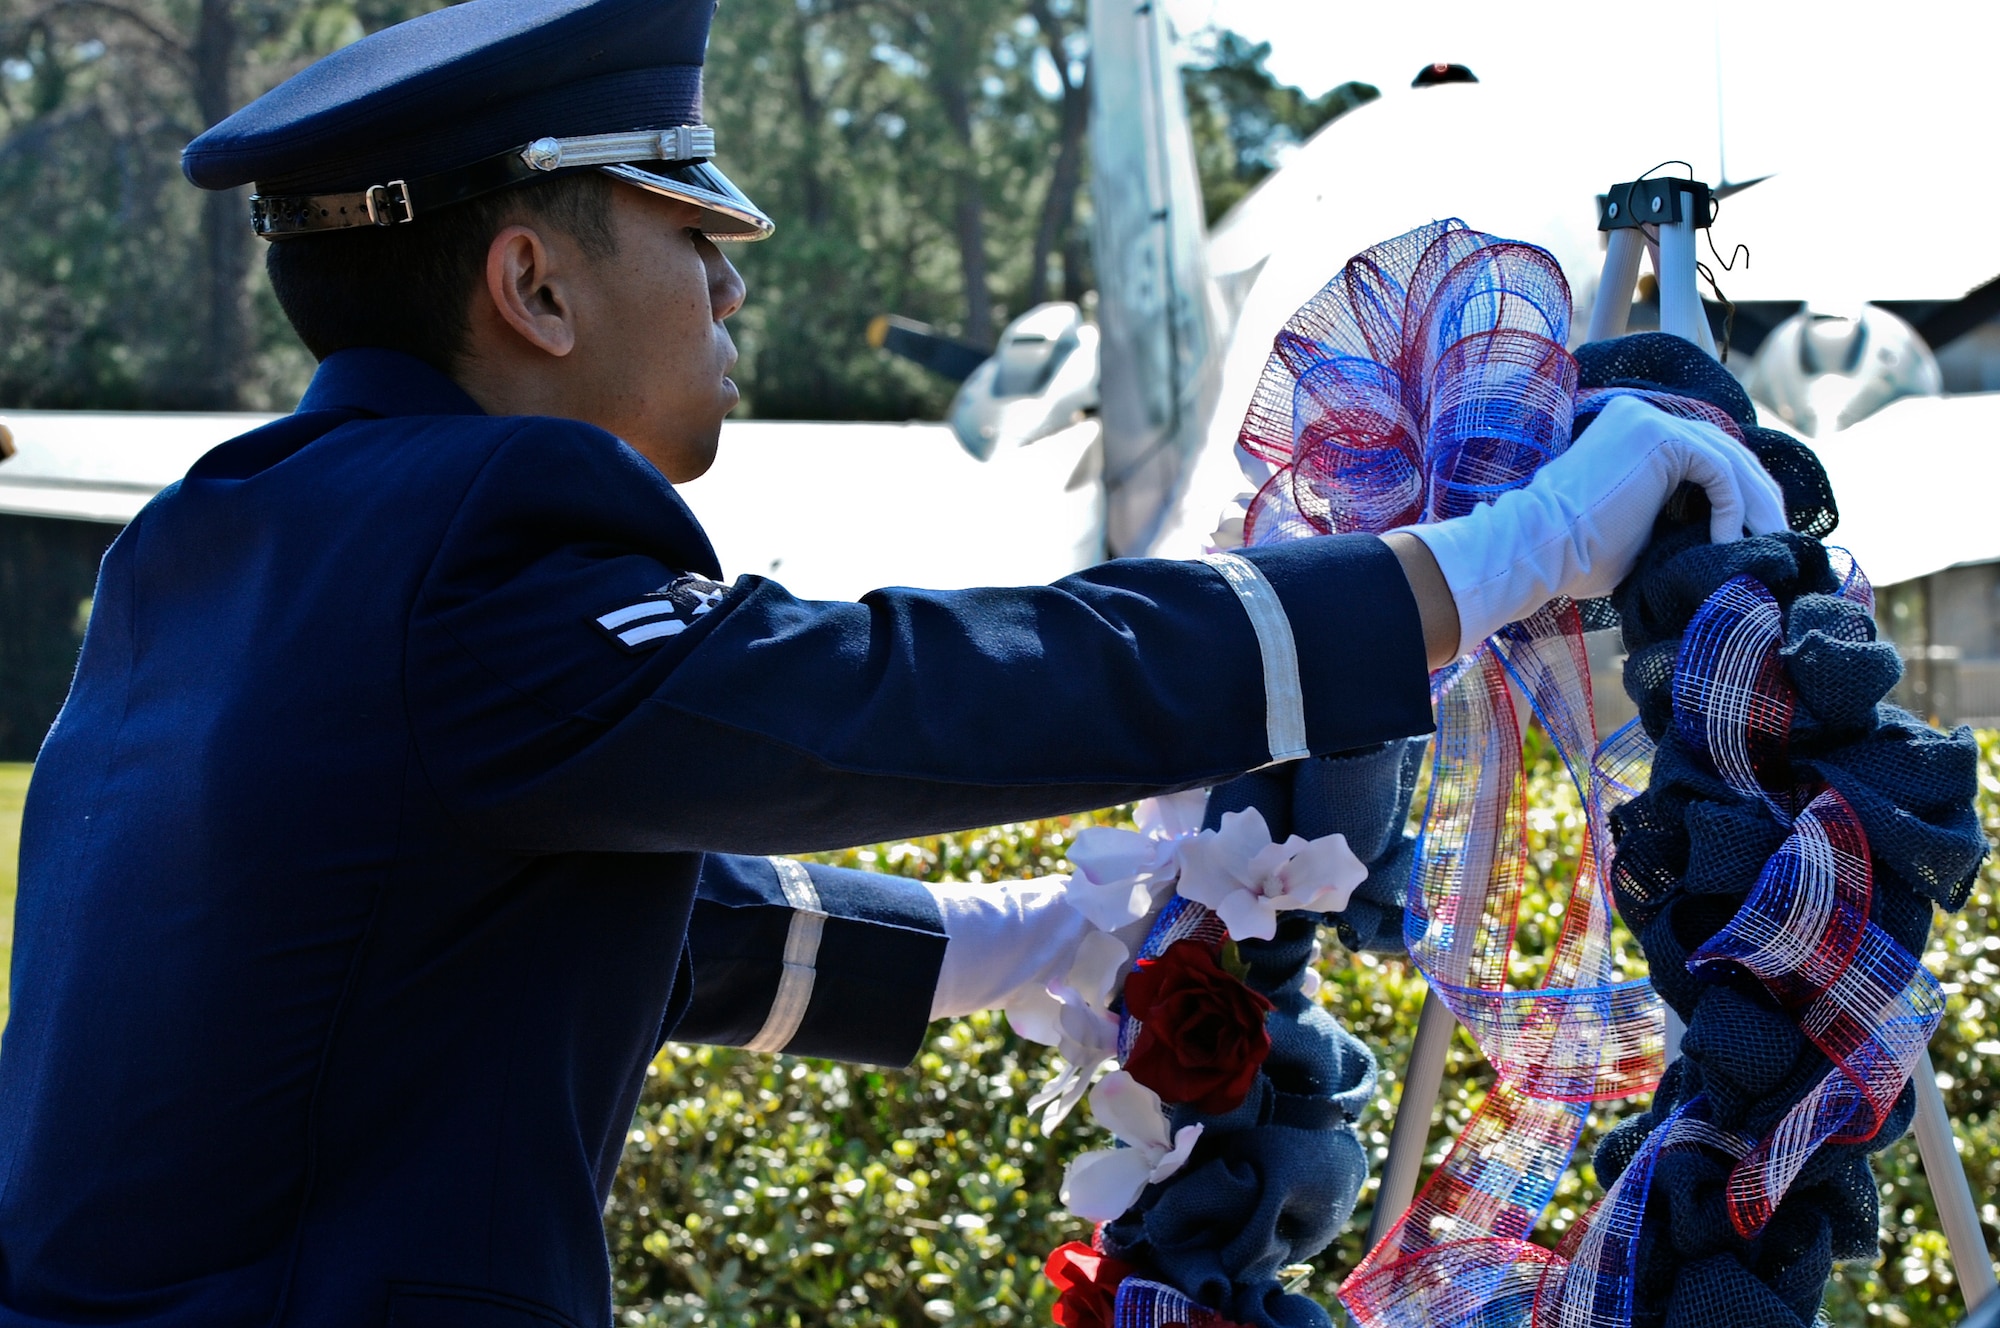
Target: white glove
(1004, 939)
(1580, 525)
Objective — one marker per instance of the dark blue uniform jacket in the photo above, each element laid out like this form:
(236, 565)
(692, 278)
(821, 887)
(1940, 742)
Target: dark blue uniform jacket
(385, 836)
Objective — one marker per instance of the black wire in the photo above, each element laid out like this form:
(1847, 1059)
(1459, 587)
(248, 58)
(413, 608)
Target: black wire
(1714, 211)
(1671, 161)
(1625, 201)
(1728, 305)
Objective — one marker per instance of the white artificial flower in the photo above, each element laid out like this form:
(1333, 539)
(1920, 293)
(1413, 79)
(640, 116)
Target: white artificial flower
(1171, 815)
(1036, 1016)
(1074, 1016)
(1059, 1096)
(1119, 875)
(1093, 973)
(1100, 1185)
(1122, 875)
(1248, 880)
(1122, 878)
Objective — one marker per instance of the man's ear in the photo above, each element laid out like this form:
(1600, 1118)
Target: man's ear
(528, 290)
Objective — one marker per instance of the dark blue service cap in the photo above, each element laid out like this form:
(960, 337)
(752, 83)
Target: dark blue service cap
(477, 97)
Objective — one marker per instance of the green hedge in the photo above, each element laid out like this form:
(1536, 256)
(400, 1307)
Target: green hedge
(793, 1192)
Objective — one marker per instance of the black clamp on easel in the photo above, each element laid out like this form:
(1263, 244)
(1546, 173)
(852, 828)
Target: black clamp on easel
(1659, 216)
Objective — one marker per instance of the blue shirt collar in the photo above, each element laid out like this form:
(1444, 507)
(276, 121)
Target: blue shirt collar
(373, 381)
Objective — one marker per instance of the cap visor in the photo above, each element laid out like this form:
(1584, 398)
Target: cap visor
(727, 213)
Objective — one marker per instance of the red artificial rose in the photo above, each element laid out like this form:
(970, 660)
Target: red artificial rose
(1201, 1035)
(1088, 1280)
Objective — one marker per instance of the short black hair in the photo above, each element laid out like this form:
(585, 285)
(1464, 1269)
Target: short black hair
(408, 287)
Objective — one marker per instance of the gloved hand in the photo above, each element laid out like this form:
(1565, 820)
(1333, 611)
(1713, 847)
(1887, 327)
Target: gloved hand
(1006, 939)
(1579, 526)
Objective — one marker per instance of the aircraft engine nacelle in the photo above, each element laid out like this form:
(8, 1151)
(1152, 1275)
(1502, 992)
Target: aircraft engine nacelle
(1043, 376)
(1823, 372)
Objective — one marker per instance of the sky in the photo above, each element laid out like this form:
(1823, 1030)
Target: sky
(1876, 122)
(1799, 81)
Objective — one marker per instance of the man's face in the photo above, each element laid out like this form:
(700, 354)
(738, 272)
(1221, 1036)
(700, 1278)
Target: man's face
(651, 346)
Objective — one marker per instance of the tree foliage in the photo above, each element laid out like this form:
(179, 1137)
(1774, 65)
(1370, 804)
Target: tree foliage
(920, 159)
(121, 285)
(775, 1190)
(1244, 120)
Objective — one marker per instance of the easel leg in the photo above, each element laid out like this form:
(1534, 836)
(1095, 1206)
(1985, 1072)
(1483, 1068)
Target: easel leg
(1422, 1078)
(1950, 1191)
(1676, 1030)
(1680, 297)
(1613, 307)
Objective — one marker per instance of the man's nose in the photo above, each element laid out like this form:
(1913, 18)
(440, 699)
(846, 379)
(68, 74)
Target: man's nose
(726, 290)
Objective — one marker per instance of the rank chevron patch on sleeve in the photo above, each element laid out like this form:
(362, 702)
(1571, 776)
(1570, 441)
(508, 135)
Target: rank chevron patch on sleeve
(665, 612)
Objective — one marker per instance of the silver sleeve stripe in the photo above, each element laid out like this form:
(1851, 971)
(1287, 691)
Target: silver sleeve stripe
(652, 608)
(633, 636)
(1284, 697)
(795, 983)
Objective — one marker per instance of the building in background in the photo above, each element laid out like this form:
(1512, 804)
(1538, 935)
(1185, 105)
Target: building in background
(1917, 484)
(74, 481)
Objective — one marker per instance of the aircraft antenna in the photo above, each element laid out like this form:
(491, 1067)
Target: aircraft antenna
(1721, 135)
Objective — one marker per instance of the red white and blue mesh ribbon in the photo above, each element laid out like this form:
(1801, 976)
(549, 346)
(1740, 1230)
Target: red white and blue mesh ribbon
(1804, 932)
(1142, 1303)
(1463, 1251)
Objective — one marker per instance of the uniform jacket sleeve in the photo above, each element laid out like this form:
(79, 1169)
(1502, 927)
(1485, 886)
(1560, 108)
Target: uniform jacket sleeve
(580, 677)
(811, 960)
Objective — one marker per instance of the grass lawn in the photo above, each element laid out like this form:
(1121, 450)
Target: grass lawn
(13, 787)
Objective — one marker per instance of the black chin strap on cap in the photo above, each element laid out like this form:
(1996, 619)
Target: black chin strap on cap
(672, 162)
